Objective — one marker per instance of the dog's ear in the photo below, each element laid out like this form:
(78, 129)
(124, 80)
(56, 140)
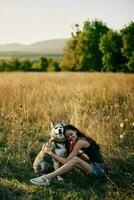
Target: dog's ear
(52, 124)
(62, 122)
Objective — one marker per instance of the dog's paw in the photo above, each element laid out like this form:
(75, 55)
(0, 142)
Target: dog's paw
(59, 178)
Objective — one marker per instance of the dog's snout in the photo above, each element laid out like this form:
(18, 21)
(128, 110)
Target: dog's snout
(60, 131)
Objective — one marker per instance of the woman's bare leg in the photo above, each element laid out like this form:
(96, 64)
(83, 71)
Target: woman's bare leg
(74, 162)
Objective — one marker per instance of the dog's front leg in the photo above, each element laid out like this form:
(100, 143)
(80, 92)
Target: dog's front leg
(56, 166)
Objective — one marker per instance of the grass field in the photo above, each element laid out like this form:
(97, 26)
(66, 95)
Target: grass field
(102, 105)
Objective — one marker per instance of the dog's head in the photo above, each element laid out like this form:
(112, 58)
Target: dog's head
(57, 132)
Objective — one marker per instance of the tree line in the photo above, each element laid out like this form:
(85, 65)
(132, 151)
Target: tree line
(94, 47)
(99, 48)
(42, 64)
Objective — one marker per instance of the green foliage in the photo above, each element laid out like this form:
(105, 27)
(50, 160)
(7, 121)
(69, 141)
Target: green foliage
(130, 64)
(36, 66)
(96, 48)
(82, 51)
(110, 46)
(43, 64)
(92, 32)
(25, 65)
(3, 65)
(128, 40)
(53, 66)
(73, 54)
(128, 45)
(40, 65)
(13, 64)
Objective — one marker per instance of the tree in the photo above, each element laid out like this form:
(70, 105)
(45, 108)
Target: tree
(25, 65)
(43, 64)
(73, 54)
(130, 64)
(92, 32)
(36, 66)
(82, 51)
(53, 66)
(128, 45)
(13, 64)
(110, 46)
(3, 65)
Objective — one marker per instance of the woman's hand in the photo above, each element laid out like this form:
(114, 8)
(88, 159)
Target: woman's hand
(46, 149)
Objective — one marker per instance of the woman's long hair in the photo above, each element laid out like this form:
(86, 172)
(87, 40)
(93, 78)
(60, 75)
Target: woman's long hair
(80, 134)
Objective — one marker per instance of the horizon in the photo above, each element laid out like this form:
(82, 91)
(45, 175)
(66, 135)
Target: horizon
(16, 43)
(26, 22)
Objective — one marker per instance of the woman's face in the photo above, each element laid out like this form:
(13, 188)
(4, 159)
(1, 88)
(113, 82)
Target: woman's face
(71, 135)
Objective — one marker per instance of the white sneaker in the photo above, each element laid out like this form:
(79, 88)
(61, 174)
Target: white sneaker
(42, 180)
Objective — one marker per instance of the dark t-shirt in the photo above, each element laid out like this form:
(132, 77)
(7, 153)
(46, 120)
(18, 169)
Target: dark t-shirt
(93, 152)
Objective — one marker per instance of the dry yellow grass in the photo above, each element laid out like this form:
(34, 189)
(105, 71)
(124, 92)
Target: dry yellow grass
(102, 105)
(94, 102)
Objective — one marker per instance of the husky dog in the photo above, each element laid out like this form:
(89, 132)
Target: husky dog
(57, 144)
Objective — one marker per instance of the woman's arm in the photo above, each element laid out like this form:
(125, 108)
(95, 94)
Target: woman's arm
(77, 147)
(58, 158)
(79, 144)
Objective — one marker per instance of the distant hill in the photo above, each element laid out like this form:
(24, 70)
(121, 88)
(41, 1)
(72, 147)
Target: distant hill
(45, 47)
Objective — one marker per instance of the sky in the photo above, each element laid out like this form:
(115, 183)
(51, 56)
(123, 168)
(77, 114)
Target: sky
(29, 21)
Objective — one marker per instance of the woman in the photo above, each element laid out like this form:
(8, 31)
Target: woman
(84, 155)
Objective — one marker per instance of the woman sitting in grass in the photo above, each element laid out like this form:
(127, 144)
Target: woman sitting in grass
(91, 161)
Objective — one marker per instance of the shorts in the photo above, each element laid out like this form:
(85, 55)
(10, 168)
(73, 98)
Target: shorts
(98, 169)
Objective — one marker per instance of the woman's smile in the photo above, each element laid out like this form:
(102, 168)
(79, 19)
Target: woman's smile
(71, 135)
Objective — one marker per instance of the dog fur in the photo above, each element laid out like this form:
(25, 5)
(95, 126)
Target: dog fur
(57, 144)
